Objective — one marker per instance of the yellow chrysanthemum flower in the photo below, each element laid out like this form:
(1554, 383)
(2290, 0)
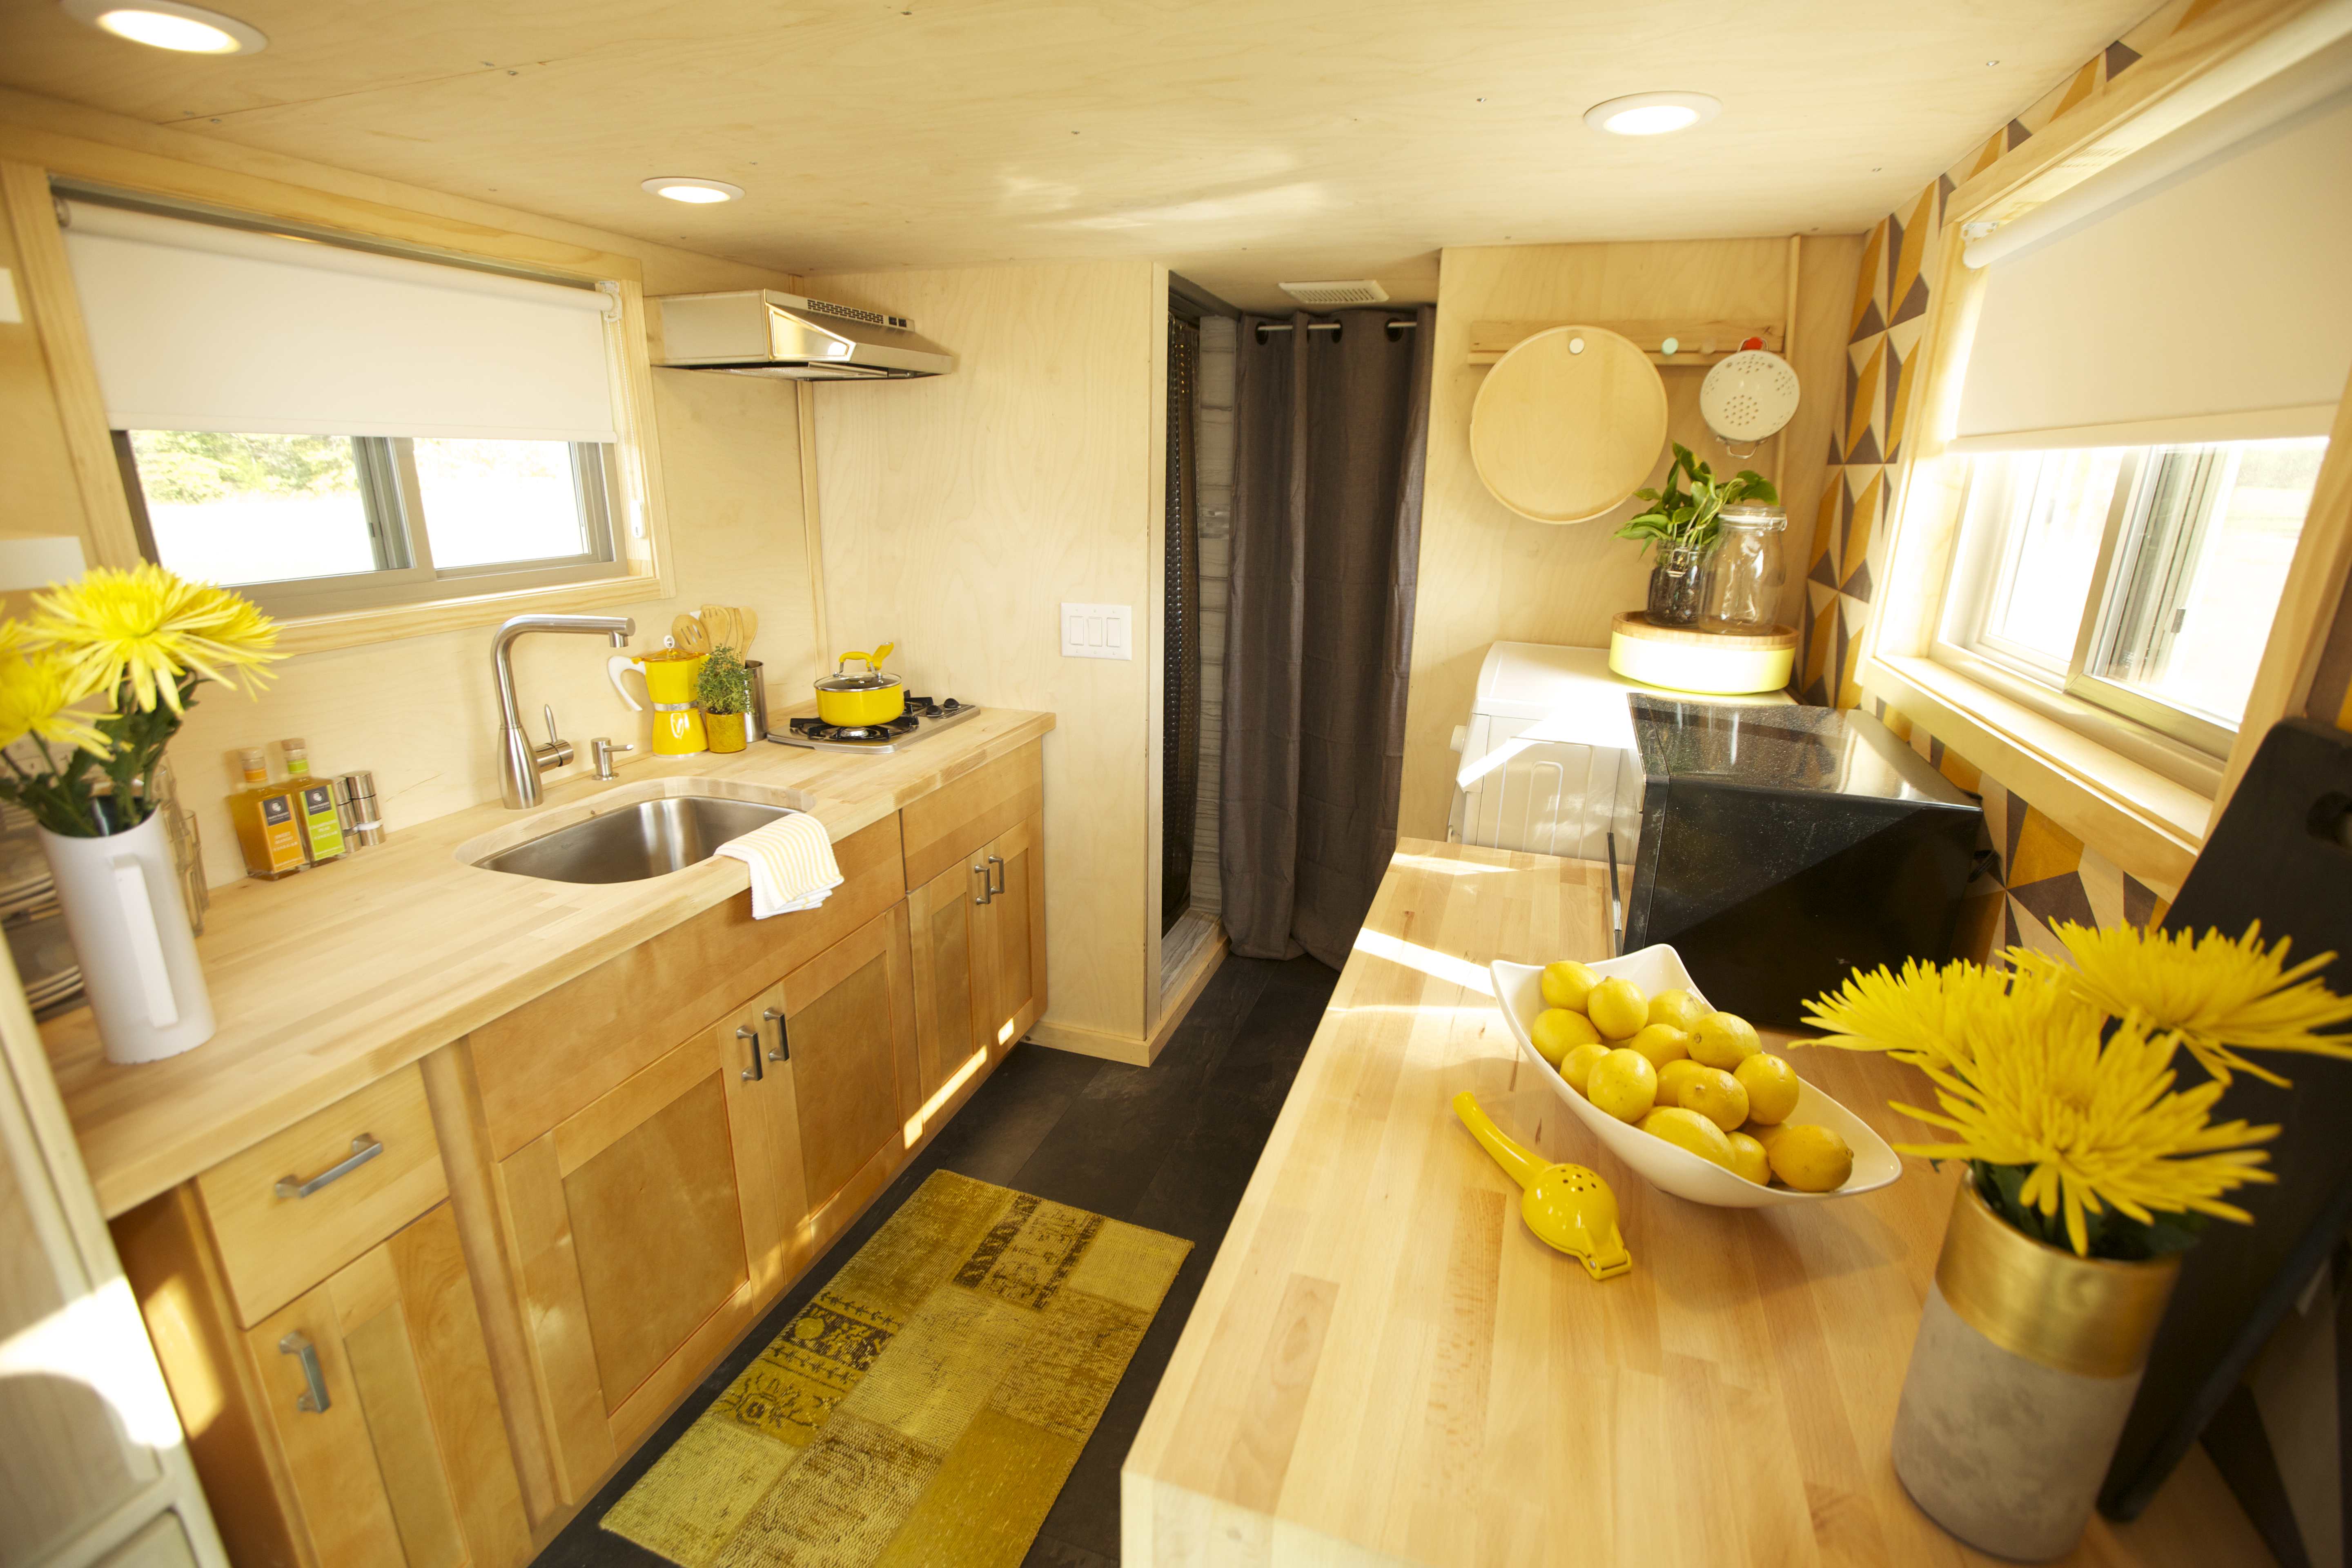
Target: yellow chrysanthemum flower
(1924, 1015)
(2095, 1121)
(150, 626)
(36, 697)
(2221, 996)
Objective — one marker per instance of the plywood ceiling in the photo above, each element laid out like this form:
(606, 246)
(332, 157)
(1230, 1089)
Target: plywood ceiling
(1243, 142)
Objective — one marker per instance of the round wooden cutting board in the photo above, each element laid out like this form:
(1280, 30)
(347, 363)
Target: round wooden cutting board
(1568, 423)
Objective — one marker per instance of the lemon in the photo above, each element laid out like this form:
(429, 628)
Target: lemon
(1721, 1040)
(1618, 1008)
(1559, 1031)
(1715, 1095)
(1771, 1086)
(1689, 1129)
(1748, 1159)
(1674, 1076)
(1678, 1007)
(1566, 983)
(1623, 1084)
(1811, 1159)
(1661, 1043)
(1577, 1065)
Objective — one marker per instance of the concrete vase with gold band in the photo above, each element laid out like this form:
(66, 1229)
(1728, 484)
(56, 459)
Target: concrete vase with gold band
(2026, 1364)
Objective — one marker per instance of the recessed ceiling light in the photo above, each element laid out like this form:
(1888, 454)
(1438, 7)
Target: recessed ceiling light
(1651, 113)
(168, 24)
(701, 193)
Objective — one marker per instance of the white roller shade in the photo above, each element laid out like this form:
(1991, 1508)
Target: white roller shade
(196, 326)
(2208, 306)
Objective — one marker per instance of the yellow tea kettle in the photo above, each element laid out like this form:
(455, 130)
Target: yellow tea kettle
(670, 674)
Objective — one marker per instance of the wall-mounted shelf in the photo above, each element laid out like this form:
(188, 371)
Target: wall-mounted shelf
(1700, 344)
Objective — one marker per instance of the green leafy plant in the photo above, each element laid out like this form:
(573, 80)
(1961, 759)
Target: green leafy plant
(724, 686)
(1684, 515)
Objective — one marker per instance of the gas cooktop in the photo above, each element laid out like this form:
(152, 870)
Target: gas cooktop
(923, 718)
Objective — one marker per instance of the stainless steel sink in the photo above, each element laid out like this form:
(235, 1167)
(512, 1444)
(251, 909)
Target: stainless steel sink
(651, 838)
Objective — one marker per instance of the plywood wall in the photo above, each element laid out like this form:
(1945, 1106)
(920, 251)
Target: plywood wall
(960, 513)
(1488, 575)
(421, 712)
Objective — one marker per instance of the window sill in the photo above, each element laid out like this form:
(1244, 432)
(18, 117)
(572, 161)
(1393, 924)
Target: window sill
(2149, 824)
(351, 629)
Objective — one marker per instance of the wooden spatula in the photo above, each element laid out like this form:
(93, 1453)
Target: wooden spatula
(689, 634)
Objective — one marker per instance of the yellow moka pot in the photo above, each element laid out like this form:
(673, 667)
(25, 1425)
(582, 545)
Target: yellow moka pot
(670, 675)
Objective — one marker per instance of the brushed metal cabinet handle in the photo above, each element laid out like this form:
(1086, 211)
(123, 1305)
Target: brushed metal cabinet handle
(995, 878)
(364, 1147)
(755, 1072)
(313, 1398)
(985, 892)
(783, 1051)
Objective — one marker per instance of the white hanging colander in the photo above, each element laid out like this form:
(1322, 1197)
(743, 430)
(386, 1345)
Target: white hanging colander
(1747, 397)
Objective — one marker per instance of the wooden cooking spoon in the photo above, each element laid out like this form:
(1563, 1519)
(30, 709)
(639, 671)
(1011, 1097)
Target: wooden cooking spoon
(689, 635)
(747, 627)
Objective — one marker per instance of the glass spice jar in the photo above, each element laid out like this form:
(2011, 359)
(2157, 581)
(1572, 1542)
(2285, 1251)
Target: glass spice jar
(1744, 574)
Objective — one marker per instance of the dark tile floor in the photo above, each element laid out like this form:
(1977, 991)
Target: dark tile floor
(1170, 1147)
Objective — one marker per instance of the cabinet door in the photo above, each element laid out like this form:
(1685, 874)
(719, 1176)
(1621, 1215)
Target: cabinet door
(952, 1024)
(849, 1032)
(1009, 948)
(378, 1385)
(636, 1250)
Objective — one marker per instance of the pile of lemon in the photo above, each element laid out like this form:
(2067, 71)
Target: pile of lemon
(1678, 1071)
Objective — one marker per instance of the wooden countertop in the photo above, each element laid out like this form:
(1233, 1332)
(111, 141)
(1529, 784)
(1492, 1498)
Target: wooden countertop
(330, 979)
(1385, 1366)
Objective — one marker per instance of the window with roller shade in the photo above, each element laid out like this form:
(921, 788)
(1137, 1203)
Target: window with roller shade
(330, 428)
(2143, 415)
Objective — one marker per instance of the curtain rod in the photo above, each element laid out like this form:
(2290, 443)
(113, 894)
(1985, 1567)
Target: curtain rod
(1394, 324)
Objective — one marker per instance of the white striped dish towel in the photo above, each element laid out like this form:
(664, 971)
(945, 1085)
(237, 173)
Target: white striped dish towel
(791, 864)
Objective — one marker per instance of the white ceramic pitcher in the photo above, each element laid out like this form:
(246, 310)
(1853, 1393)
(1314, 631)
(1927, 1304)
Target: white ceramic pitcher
(129, 930)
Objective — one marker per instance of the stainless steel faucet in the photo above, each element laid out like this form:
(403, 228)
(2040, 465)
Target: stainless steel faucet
(520, 762)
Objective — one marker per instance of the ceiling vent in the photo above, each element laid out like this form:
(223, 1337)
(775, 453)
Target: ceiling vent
(1322, 296)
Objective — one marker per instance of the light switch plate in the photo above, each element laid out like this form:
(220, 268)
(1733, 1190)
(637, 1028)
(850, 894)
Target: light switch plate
(1097, 631)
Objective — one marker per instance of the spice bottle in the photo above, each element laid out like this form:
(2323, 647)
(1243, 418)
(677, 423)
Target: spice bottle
(323, 829)
(265, 815)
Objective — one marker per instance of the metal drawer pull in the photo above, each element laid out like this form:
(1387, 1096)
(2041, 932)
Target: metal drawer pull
(783, 1051)
(364, 1147)
(995, 878)
(986, 892)
(313, 1399)
(755, 1072)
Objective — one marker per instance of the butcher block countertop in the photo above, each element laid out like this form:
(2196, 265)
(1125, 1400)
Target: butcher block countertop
(1385, 1366)
(327, 980)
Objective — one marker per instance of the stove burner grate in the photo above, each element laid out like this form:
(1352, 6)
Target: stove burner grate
(917, 709)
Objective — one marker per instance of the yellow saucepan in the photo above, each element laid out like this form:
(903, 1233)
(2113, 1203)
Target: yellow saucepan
(872, 697)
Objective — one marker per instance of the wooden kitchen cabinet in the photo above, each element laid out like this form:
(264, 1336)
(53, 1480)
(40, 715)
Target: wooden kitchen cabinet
(848, 1038)
(377, 1386)
(643, 1229)
(951, 998)
(1009, 934)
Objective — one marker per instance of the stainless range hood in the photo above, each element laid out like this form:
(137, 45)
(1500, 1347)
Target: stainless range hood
(760, 332)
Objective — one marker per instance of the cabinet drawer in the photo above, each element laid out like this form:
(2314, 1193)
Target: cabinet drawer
(960, 816)
(275, 1248)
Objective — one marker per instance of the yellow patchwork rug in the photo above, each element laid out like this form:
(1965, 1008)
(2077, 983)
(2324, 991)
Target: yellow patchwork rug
(927, 1407)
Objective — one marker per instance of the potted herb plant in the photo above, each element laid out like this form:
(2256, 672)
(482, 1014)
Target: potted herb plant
(1682, 521)
(723, 689)
(140, 641)
(2089, 1172)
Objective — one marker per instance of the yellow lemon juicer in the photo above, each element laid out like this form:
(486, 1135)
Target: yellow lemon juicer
(670, 675)
(1569, 1208)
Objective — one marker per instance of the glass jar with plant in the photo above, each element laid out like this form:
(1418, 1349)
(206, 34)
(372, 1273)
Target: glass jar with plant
(139, 641)
(1682, 520)
(2089, 1172)
(724, 690)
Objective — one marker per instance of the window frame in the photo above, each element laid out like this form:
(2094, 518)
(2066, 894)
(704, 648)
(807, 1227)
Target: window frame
(392, 498)
(2185, 743)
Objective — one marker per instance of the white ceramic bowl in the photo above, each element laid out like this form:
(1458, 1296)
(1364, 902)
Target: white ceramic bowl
(1518, 990)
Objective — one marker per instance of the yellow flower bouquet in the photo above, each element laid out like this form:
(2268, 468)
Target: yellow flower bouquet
(2059, 1082)
(101, 679)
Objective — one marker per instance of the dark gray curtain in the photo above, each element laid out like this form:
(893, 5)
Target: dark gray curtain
(1328, 431)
